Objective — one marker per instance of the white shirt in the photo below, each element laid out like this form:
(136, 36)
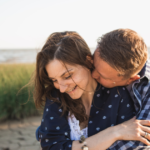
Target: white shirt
(76, 133)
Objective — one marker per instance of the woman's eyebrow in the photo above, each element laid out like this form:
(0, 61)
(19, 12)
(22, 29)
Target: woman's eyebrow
(66, 72)
(63, 73)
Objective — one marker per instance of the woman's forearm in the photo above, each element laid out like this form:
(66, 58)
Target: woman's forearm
(99, 141)
(128, 130)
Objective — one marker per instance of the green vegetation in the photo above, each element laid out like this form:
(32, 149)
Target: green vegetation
(13, 77)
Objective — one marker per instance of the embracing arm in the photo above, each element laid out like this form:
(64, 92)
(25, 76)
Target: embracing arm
(141, 129)
(129, 130)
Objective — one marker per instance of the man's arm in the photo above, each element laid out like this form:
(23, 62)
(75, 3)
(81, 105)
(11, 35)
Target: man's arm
(143, 115)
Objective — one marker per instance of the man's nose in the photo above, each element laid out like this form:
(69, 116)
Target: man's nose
(62, 88)
(95, 74)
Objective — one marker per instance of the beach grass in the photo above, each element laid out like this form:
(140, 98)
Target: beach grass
(14, 104)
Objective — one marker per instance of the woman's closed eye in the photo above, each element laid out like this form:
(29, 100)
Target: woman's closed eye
(64, 77)
(54, 80)
(68, 77)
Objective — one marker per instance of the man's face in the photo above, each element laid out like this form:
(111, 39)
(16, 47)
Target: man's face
(105, 74)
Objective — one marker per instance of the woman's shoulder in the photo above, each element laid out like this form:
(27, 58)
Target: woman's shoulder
(54, 96)
(53, 104)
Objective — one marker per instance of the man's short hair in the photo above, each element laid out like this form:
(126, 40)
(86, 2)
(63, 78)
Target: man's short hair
(124, 50)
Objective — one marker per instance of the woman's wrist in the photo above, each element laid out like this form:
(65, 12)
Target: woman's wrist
(116, 132)
(111, 133)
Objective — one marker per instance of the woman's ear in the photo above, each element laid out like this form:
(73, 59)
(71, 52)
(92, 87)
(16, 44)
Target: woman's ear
(89, 61)
(89, 58)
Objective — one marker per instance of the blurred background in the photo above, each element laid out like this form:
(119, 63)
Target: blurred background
(25, 26)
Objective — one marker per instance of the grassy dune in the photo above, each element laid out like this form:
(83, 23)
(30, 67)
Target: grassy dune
(12, 78)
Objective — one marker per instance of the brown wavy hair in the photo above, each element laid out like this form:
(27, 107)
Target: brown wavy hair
(70, 48)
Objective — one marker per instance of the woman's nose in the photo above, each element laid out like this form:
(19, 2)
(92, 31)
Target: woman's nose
(62, 88)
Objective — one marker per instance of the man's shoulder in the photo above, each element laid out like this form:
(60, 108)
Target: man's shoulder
(141, 87)
(147, 70)
(144, 82)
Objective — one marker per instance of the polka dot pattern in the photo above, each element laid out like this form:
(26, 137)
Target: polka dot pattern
(104, 117)
(60, 110)
(58, 128)
(98, 95)
(70, 146)
(90, 122)
(97, 112)
(109, 106)
(51, 118)
(46, 140)
(122, 117)
(97, 128)
(116, 95)
(128, 105)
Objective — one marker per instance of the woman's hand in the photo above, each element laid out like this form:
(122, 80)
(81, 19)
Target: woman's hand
(134, 130)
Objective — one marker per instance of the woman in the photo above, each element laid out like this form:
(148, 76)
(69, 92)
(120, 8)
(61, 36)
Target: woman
(76, 106)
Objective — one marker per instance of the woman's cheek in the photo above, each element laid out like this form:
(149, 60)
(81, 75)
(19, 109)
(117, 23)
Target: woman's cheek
(56, 85)
(76, 80)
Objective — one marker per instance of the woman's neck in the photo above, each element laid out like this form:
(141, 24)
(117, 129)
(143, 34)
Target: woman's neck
(87, 96)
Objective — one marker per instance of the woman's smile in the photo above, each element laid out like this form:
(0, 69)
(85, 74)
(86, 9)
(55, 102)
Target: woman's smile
(72, 90)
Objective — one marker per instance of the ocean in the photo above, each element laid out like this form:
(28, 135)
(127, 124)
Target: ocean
(23, 55)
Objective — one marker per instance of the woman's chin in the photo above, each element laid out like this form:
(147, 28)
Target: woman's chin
(74, 96)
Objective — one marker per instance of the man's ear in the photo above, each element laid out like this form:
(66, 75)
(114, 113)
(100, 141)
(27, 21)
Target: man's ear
(89, 58)
(132, 79)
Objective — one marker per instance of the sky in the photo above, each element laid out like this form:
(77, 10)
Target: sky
(28, 23)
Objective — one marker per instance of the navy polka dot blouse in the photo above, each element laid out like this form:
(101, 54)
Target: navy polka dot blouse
(109, 107)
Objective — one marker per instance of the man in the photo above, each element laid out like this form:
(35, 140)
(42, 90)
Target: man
(121, 60)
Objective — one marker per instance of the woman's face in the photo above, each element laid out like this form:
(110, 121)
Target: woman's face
(70, 79)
